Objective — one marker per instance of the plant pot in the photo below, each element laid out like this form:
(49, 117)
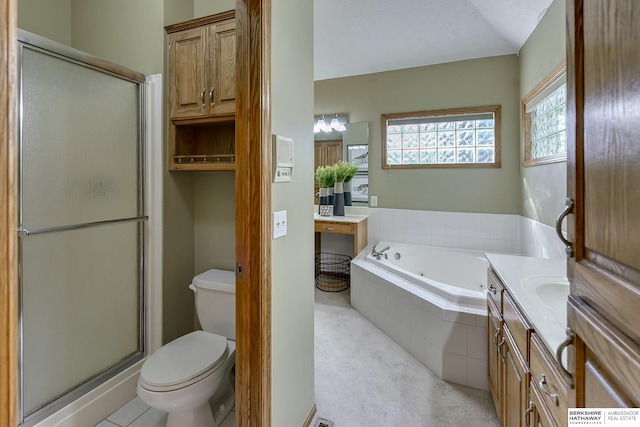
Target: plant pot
(338, 199)
(330, 195)
(347, 193)
(324, 197)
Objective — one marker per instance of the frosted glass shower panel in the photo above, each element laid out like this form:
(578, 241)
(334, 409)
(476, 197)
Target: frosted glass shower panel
(80, 134)
(81, 307)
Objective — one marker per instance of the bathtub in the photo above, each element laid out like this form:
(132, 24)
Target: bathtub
(431, 301)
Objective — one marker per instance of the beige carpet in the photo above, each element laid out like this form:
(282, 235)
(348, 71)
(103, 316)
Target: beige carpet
(363, 378)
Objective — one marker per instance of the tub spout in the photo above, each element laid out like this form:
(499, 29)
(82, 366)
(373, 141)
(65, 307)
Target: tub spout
(378, 254)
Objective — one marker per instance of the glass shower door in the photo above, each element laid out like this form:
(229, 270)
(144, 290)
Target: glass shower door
(81, 226)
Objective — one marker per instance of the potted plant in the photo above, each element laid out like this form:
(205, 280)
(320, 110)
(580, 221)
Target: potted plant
(342, 172)
(326, 177)
(347, 184)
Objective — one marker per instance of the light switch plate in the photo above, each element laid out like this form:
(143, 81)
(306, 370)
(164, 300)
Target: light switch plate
(279, 224)
(374, 201)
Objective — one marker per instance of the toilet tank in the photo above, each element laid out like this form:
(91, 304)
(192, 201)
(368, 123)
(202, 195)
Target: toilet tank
(215, 293)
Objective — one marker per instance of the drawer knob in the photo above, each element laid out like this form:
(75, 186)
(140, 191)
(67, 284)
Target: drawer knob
(545, 390)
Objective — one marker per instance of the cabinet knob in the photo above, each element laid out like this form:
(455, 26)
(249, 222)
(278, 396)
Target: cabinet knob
(568, 208)
(211, 96)
(202, 97)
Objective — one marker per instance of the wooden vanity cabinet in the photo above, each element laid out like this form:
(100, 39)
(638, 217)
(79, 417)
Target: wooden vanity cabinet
(603, 177)
(508, 373)
(201, 87)
(526, 383)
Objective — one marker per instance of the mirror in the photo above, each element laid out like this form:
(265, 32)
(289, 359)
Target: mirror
(351, 145)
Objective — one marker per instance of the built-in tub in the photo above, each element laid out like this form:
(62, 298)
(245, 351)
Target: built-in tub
(431, 301)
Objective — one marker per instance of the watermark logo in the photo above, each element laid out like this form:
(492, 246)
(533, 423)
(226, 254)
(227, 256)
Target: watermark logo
(613, 417)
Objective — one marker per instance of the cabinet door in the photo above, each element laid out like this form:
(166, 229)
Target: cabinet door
(221, 95)
(516, 382)
(187, 74)
(607, 373)
(603, 164)
(494, 325)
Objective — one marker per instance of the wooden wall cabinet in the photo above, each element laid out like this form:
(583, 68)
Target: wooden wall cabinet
(201, 87)
(603, 171)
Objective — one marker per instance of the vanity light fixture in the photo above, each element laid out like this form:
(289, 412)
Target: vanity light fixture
(321, 126)
(337, 123)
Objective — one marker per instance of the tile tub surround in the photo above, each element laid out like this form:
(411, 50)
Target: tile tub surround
(452, 344)
(498, 233)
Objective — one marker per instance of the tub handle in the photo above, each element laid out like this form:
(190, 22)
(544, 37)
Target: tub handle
(568, 208)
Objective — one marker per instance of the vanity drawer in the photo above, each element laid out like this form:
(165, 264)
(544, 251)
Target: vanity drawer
(334, 227)
(548, 380)
(517, 323)
(495, 289)
(543, 417)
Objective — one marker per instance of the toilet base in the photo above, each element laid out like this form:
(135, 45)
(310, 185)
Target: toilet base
(200, 416)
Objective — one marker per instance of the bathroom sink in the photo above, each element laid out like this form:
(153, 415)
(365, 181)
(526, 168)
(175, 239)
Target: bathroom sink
(552, 292)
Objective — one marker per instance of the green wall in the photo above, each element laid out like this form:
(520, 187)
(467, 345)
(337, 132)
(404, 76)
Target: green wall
(478, 82)
(543, 187)
(50, 19)
(292, 269)
(129, 33)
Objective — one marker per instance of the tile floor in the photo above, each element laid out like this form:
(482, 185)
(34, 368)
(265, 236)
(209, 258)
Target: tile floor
(136, 413)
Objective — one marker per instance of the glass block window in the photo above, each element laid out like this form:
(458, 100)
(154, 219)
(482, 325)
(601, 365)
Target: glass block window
(544, 120)
(462, 137)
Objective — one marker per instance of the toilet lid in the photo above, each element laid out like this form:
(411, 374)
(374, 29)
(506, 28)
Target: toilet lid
(183, 359)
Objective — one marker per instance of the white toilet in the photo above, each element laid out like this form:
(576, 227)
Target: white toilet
(192, 377)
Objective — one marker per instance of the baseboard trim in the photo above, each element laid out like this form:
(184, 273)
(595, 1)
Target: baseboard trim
(99, 403)
(312, 413)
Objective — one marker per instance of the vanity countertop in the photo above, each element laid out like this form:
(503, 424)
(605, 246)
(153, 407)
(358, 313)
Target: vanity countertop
(346, 218)
(540, 287)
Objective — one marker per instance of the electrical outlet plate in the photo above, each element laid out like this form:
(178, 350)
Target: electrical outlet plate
(279, 224)
(374, 201)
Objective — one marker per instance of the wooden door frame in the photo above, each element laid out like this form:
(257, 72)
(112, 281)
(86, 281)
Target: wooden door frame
(8, 215)
(253, 207)
(253, 212)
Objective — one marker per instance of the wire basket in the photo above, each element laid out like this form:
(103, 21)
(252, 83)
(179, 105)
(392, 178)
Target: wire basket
(332, 272)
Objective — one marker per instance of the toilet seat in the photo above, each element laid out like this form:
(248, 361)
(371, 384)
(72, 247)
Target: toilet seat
(184, 361)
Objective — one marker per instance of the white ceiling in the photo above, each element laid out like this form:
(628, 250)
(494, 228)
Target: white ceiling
(354, 37)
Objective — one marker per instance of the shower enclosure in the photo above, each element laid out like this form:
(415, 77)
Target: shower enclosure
(81, 223)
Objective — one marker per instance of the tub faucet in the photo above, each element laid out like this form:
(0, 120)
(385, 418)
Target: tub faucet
(379, 254)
